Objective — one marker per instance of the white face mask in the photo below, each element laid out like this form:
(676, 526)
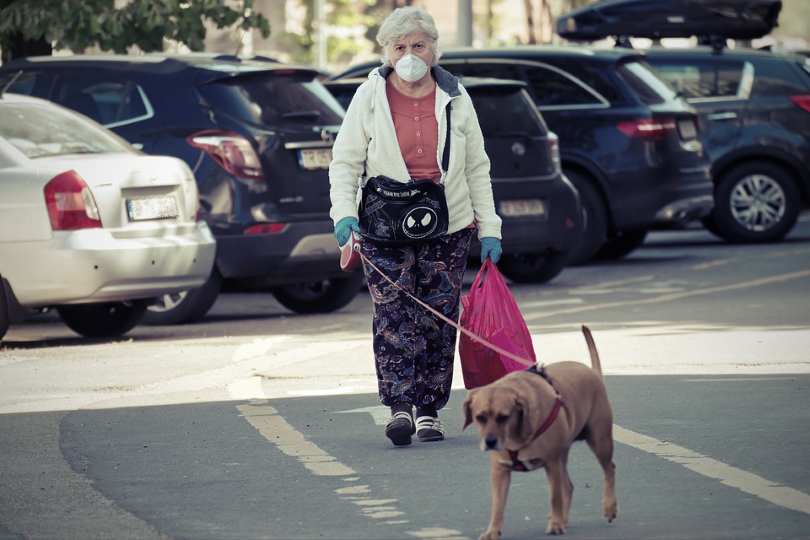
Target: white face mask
(411, 68)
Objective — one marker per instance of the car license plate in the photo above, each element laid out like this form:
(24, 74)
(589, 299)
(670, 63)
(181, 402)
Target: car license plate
(152, 208)
(687, 129)
(523, 208)
(315, 159)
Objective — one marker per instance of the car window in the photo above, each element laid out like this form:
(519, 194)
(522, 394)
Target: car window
(702, 79)
(40, 131)
(592, 75)
(648, 85)
(504, 111)
(287, 99)
(110, 102)
(27, 83)
(554, 89)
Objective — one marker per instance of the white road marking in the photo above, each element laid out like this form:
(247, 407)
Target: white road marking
(731, 476)
(261, 415)
(380, 414)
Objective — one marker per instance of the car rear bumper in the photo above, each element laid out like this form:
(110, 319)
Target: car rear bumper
(94, 266)
(300, 253)
(662, 196)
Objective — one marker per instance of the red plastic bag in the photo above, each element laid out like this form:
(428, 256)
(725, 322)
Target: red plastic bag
(490, 312)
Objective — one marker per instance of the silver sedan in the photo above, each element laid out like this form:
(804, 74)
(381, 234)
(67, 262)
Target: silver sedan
(89, 225)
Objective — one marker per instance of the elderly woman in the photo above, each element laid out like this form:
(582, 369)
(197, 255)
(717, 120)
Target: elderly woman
(396, 126)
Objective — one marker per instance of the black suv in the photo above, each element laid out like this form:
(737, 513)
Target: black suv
(629, 145)
(755, 112)
(754, 105)
(538, 206)
(258, 136)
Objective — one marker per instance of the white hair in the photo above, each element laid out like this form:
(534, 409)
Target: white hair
(400, 23)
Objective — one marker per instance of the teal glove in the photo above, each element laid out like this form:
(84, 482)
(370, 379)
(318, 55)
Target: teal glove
(491, 247)
(344, 228)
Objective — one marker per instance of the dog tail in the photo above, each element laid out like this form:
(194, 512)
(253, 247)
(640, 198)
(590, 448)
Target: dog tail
(597, 365)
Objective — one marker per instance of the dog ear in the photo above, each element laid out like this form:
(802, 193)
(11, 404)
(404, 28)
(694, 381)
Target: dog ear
(465, 408)
(523, 424)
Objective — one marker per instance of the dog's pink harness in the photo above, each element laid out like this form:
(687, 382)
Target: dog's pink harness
(518, 465)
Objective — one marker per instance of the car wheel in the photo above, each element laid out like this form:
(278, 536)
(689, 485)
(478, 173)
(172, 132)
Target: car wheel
(594, 218)
(186, 306)
(319, 296)
(756, 202)
(4, 316)
(535, 268)
(624, 244)
(110, 319)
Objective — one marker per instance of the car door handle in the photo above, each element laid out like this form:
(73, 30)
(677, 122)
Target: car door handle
(722, 116)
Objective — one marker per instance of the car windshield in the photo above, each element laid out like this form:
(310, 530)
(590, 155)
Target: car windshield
(503, 111)
(39, 130)
(646, 82)
(291, 99)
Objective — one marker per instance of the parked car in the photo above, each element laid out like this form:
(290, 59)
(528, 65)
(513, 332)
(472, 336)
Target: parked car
(257, 134)
(538, 206)
(89, 225)
(754, 105)
(755, 111)
(629, 145)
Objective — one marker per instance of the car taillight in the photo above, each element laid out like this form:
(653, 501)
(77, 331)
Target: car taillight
(801, 101)
(232, 152)
(266, 228)
(553, 144)
(649, 129)
(70, 203)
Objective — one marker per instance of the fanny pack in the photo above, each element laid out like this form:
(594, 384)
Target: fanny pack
(394, 213)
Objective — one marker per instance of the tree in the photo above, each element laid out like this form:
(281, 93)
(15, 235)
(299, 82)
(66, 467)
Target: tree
(39, 27)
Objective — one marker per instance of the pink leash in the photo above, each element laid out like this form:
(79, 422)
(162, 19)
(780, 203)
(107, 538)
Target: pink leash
(453, 324)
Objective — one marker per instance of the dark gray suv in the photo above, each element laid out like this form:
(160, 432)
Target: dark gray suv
(754, 108)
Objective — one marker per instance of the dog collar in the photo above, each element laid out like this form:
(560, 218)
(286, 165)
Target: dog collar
(518, 465)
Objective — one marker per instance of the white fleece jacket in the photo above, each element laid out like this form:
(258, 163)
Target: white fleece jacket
(367, 146)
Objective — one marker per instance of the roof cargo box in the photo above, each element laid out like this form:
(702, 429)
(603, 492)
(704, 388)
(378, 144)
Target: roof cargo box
(655, 19)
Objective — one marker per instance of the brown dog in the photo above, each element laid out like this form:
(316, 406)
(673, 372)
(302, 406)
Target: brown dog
(529, 419)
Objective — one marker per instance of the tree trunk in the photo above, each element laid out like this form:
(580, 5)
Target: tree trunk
(530, 21)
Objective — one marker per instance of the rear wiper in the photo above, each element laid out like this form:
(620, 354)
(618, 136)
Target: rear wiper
(11, 82)
(302, 115)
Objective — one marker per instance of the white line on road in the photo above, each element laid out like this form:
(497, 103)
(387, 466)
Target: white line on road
(728, 475)
(261, 415)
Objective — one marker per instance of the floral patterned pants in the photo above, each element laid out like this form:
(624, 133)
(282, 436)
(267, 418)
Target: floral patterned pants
(414, 349)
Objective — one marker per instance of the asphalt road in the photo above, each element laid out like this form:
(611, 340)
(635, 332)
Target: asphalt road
(257, 423)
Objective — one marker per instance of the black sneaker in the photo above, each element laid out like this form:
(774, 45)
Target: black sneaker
(400, 428)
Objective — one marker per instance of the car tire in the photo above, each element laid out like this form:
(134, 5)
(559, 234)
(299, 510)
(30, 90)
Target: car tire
(110, 319)
(594, 218)
(4, 315)
(756, 202)
(187, 306)
(535, 268)
(319, 296)
(622, 245)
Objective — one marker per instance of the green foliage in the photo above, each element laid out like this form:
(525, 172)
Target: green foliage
(339, 14)
(78, 24)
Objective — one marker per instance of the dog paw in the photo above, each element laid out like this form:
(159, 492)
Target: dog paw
(555, 527)
(490, 535)
(611, 509)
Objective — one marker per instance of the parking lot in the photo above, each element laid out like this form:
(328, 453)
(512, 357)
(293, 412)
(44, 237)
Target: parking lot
(258, 423)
